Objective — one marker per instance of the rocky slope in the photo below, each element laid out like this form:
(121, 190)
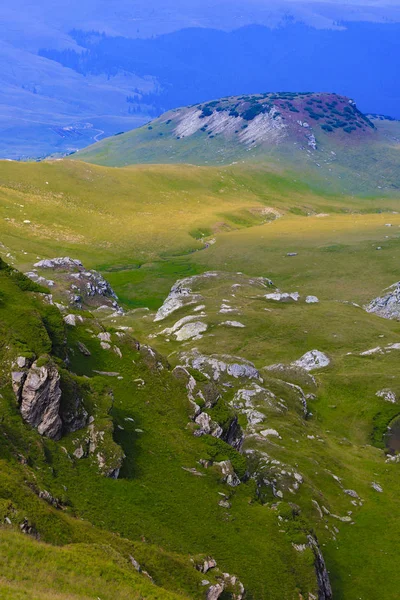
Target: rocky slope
(322, 134)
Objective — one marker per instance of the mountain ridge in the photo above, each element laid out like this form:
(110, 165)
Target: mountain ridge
(320, 137)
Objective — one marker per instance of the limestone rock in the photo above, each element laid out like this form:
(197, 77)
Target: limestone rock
(180, 295)
(387, 395)
(206, 565)
(217, 365)
(83, 286)
(233, 324)
(40, 400)
(65, 262)
(324, 585)
(312, 360)
(207, 426)
(376, 487)
(312, 300)
(191, 331)
(72, 320)
(387, 306)
(282, 296)
(228, 474)
(215, 591)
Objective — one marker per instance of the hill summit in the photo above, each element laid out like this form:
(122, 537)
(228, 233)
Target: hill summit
(270, 118)
(231, 128)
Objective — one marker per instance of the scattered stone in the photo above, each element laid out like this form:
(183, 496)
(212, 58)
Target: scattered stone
(79, 452)
(180, 295)
(292, 254)
(106, 373)
(351, 493)
(282, 296)
(215, 365)
(28, 529)
(104, 336)
(215, 591)
(270, 432)
(228, 473)
(387, 395)
(312, 360)
(191, 331)
(53, 263)
(72, 319)
(387, 306)
(207, 426)
(312, 300)
(208, 564)
(47, 497)
(233, 324)
(376, 487)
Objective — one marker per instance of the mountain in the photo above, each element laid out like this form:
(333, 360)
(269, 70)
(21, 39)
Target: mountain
(323, 137)
(73, 77)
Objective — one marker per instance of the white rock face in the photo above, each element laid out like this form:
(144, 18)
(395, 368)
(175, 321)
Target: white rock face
(104, 336)
(228, 473)
(270, 432)
(264, 128)
(180, 323)
(376, 487)
(207, 425)
(387, 306)
(387, 395)
(181, 294)
(70, 320)
(282, 296)
(191, 330)
(312, 360)
(312, 300)
(233, 324)
(215, 365)
(65, 261)
(40, 400)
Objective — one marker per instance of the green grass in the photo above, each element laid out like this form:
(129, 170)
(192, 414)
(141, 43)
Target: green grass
(140, 226)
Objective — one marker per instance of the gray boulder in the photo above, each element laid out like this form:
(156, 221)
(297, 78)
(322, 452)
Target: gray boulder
(387, 306)
(39, 395)
(312, 360)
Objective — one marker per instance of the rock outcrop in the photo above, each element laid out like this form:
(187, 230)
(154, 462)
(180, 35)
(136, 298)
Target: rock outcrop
(83, 286)
(215, 365)
(38, 392)
(387, 306)
(37, 388)
(312, 360)
(324, 584)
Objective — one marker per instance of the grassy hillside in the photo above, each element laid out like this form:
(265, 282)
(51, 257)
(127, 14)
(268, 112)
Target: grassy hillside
(323, 138)
(144, 227)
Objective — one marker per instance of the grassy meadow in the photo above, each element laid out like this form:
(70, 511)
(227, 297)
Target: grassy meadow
(144, 227)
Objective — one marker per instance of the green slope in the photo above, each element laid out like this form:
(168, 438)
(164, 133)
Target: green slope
(141, 227)
(322, 137)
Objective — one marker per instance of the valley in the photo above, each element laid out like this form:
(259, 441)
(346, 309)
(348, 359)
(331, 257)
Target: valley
(195, 424)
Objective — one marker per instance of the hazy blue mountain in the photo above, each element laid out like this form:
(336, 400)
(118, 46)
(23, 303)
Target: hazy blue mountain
(71, 74)
(194, 65)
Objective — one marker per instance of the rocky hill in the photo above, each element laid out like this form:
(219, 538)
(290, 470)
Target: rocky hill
(323, 137)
